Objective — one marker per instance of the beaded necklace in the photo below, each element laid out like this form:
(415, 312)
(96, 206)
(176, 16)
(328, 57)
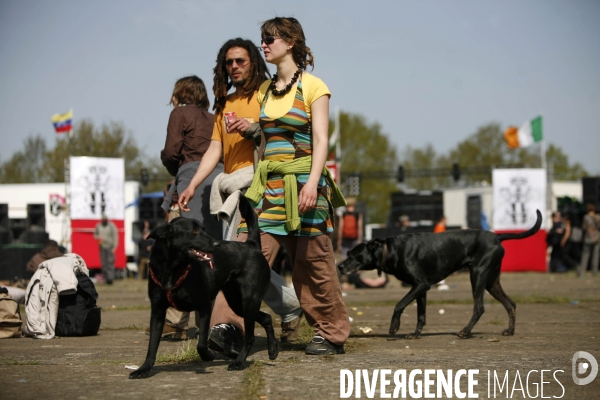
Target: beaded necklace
(285, 90)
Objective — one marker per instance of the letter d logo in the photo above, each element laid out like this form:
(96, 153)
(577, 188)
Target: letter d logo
(582, 367)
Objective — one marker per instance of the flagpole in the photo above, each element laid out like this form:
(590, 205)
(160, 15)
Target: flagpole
(549, 171)
(543, 153)
(66, 239)
(338, 145)
(542, 142)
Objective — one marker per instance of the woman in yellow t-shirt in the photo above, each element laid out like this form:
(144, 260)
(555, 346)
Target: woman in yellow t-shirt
(295, 119)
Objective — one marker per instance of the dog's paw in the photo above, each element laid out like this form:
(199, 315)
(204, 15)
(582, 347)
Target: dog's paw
(273, 352)
(463, 334)
(394, 326)
(207, 355)
(140, 373)
(508, 332)
(236, 366)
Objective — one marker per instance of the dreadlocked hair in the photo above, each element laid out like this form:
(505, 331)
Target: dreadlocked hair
(221, 82)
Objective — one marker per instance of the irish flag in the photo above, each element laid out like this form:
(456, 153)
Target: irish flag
(530, 132)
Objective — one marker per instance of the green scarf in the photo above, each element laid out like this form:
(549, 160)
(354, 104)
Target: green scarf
(288, 169)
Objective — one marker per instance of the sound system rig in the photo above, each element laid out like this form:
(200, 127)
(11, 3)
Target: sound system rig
(424, 207)
(591, 191)
(6, 236)
(20, 240)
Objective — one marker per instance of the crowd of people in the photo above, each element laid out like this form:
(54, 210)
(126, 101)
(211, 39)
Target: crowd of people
(575, 247)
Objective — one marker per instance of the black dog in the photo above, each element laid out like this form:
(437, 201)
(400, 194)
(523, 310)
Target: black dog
(423, 259)
(188, 268)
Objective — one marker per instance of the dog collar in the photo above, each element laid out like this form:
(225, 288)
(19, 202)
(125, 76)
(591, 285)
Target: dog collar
(383, 259)
(170, 291)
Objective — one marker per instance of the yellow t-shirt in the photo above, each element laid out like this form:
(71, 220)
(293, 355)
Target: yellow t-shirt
(238, 152)
(278, 106)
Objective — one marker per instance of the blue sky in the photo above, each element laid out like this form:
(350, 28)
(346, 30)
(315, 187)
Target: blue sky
(427, 71)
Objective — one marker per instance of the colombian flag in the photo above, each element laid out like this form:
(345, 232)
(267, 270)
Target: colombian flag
(63, 122)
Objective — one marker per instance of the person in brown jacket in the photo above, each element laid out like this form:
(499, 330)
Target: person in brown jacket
(189, 135)
(50, 250)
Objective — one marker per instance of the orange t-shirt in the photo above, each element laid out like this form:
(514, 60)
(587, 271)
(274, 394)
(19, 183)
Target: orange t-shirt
(238, 152)
(439, 228)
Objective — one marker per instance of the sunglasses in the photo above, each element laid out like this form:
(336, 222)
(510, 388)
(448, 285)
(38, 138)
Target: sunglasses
(239, 61)
(269, 39)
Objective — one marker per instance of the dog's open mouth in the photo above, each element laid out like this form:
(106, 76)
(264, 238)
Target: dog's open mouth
(202, 256)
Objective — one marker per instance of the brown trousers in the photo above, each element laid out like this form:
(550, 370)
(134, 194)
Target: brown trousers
(315, 282)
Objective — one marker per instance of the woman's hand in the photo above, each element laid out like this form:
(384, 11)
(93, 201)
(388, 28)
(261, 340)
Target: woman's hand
(307, 199)
(184, 198)
(239, 125)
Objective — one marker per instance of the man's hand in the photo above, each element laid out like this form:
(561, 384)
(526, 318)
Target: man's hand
(239, 125)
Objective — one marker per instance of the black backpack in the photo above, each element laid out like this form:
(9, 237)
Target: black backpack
(77, 312)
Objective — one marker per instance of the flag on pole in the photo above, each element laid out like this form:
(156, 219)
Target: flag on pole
(63, 122)
(335, 151)
(530, 132)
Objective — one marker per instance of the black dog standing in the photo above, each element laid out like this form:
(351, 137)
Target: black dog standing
(188, 268)
(423, 259)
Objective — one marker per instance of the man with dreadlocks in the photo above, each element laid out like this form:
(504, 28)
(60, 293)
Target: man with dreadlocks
(239, 65)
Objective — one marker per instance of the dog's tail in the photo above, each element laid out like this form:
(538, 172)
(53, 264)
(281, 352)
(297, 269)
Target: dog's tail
(247, 212)
(523, 235)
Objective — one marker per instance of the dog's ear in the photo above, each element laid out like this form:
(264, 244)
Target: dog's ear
(374, 244)
(161, 231)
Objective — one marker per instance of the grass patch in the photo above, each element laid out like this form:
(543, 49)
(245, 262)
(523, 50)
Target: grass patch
(124, 328)
(352, 345)
(109, 362)
(495, 321)
(253, 381)
(8, 361)
(130, 308)
(531, 299)
(537, 299)
(305, 333)
(293, 360)
(185, 353)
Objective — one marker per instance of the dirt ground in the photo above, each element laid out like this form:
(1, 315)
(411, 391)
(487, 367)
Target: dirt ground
(557, 316)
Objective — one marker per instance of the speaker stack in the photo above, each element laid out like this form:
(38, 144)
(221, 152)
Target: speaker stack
(591, 191)
(36, 215)
(35, 232)
(6, 236)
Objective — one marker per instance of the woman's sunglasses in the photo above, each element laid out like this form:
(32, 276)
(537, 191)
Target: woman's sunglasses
(269, 39)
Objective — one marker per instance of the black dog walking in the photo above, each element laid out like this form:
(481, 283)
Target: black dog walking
(188, 268)
(422, 259)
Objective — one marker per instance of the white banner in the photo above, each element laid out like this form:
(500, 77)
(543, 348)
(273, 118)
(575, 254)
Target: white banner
(97, 187)
(518, 193)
